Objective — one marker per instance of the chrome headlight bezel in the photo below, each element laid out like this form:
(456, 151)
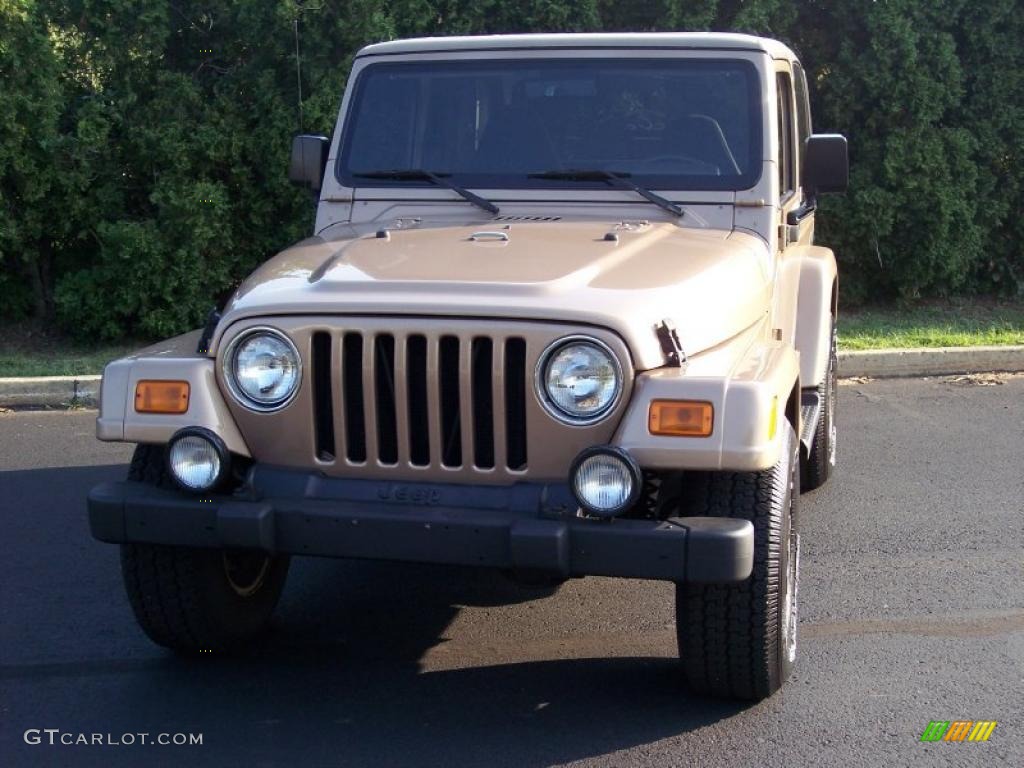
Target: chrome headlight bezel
(228, 369)
(541, 375)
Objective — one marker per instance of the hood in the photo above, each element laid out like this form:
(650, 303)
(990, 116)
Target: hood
(626, 276)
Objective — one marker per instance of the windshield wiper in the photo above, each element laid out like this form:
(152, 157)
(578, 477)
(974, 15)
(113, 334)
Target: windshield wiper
(621, 179)
(418, 174)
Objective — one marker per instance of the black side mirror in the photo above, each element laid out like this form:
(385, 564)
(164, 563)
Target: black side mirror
(826, 166)
(309, 156)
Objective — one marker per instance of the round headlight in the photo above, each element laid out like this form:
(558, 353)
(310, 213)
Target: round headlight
(581, 380)
(263, 369)
(605, 481)
(197, 460)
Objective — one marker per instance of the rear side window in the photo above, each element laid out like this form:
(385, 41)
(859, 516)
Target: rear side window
(785, 148)
(803, 111)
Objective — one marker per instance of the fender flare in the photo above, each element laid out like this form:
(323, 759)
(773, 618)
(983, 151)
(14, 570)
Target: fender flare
(815, 310)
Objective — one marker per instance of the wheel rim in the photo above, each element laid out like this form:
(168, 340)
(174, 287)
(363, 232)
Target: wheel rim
(831, 410)
(789, 618)
(832, 447)
(830, 407)
(790, 604)
(245, 571)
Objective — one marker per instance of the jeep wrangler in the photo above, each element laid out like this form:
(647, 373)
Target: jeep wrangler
(562, 315)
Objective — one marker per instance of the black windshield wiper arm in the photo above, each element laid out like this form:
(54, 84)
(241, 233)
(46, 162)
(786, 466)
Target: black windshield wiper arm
(418, 174)
(621, 179)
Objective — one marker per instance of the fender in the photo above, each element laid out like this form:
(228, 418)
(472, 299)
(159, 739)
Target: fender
(815, 309)
(172, 359)
(752, 399)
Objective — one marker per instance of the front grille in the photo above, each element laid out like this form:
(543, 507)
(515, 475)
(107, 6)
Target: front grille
(425, 399)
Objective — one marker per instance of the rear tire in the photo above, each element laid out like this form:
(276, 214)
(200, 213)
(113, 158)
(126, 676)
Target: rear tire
(822, 459)
(197, 600)
(738, 641)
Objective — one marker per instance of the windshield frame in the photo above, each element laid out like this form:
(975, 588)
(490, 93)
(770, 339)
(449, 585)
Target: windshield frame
(705, 183)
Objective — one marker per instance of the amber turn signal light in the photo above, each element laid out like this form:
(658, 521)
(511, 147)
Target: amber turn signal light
(681, 418)
(161, 396)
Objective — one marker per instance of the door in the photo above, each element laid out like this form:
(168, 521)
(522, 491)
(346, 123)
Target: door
(790, 203)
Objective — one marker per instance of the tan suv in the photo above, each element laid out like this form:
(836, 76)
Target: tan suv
(562, 315)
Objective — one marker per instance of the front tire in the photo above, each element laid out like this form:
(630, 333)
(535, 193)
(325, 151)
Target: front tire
(739, 641)
(197, 600)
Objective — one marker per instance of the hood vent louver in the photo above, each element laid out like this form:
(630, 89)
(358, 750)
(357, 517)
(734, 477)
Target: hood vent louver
(527, 218)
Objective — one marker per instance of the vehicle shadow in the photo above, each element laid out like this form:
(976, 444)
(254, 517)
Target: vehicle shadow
(338, 679)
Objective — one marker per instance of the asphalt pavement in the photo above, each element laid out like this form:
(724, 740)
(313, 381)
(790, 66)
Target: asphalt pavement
(912, 610)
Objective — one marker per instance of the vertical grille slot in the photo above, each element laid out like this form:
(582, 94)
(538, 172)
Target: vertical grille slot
(323, 405)
(451, 423)
(416, 383)
(515, 403)
(384, 386)
(483, 403)
(352, 380)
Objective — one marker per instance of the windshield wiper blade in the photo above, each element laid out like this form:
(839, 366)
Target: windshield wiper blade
(417, 174)
(621, 179)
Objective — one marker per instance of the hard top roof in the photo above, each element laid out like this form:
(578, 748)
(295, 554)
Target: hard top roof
(659, 40)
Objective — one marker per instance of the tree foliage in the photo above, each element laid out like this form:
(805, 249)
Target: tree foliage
(143, 142)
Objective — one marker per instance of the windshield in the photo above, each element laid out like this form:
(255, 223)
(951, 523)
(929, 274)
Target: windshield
(666, 123)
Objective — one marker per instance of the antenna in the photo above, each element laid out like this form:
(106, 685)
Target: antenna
(298, 66)
(300, 8)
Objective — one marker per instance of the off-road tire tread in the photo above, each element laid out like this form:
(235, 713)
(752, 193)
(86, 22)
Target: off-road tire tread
(148, 466)
(162, 589)
(729, 633)
(166, 586)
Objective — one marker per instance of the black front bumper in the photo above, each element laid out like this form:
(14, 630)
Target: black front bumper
(525, 526)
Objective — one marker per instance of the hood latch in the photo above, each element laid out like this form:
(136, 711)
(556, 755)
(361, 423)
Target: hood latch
(675, 357)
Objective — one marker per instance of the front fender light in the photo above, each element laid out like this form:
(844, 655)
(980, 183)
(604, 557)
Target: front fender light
(681, 418)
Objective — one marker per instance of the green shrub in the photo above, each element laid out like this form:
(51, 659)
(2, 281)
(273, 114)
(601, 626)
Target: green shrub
(143, 144)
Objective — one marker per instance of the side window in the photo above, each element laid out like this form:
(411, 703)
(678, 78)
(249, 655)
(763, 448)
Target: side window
(803, 112)
(785, 111)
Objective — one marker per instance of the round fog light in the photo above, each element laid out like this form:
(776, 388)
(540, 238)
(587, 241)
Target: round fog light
(605, 481)
(197, 459)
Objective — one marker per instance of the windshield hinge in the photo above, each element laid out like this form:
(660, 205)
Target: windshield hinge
(670, 346)
(212, 319)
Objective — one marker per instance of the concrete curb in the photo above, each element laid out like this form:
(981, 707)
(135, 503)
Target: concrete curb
(49, 391)
(930, 361)
(65, 391)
